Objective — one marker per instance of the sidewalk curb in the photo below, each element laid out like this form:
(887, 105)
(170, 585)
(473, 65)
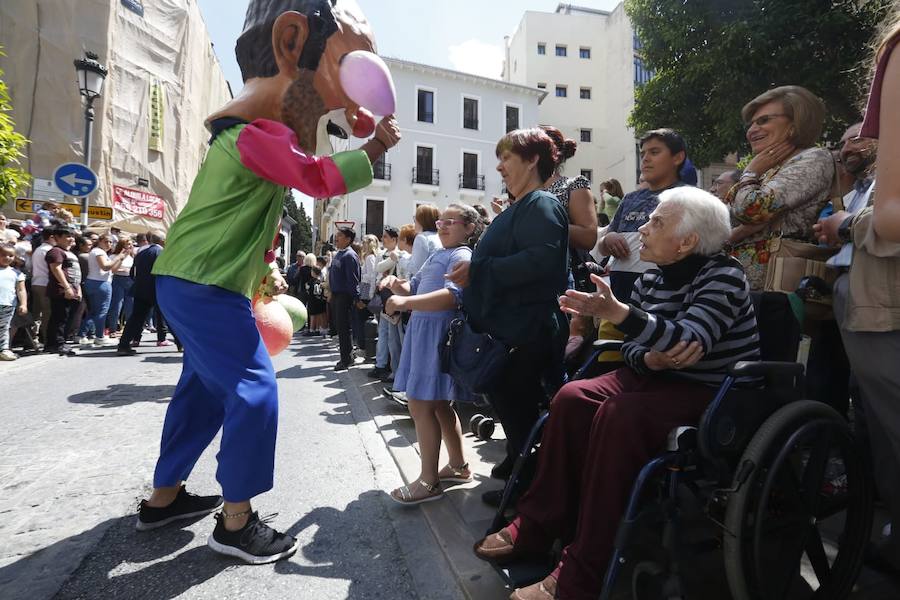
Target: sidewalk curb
(475, 579)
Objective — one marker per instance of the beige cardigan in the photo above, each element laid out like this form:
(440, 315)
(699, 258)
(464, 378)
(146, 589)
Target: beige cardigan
(874, 302)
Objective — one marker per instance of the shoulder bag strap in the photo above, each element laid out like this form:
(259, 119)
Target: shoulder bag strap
(837, 199)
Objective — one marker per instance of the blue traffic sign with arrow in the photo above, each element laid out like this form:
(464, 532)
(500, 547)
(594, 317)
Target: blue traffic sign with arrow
(75, 179)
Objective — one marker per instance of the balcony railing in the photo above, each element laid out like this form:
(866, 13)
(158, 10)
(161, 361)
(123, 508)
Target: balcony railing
(471, 182)
(426, 177)
(381, 171)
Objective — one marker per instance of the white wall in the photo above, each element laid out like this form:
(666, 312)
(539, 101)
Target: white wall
(447, 136)
(608, 73)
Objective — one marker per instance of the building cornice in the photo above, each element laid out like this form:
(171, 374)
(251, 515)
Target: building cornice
(581, 9)
(415, 67)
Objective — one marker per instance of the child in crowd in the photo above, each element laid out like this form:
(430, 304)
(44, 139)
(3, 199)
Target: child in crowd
(434, 301)
(12, 291)
(315, 297)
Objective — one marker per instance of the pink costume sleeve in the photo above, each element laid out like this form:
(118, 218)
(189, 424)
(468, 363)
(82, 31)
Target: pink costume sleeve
(270, 150)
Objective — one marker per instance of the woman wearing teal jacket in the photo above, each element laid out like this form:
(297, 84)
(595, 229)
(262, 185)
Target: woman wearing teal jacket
(517, 273)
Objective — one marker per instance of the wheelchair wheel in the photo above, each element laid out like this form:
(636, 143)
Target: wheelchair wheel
(473, 423)
(486, 428)
(799, 522)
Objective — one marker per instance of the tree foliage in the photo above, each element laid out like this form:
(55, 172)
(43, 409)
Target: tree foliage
(13, 180)
(711, 57)
(301, 233)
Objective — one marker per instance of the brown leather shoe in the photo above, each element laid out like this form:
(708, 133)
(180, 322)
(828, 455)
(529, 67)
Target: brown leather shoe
(497, 547)
(544, 590)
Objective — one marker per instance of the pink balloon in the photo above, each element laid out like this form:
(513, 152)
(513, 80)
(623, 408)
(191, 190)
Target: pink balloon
(274, 325)
(367, 81)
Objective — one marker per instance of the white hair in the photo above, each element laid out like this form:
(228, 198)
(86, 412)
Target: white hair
(701, 213)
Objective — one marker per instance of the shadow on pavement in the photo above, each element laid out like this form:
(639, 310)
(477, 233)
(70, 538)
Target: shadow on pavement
(123, 394)
(131, 564)
(351, 545)
(165, 359)
(124, 564)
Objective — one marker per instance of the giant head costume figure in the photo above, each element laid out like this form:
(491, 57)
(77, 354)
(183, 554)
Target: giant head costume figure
(291, 54)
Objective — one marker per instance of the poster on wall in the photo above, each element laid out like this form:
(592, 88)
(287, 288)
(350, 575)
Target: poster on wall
(138, 202)
(157, 108)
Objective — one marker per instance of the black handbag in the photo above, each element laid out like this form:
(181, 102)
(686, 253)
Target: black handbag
(474, 360)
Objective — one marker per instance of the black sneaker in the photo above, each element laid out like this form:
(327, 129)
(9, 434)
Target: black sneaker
(395, 396)
(185, 506)
(376, 373)
(341, 366)
(256, 543)
(504, 469)
(125, 351)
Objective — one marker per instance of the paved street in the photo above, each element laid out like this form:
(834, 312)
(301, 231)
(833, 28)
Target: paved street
(78, 451)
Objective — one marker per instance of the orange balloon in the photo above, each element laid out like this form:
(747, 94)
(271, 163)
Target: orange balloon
(274, 325)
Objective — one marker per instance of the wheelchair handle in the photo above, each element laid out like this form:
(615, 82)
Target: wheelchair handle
(761, 368)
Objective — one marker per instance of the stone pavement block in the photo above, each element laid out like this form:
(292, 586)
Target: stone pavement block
(456, 521)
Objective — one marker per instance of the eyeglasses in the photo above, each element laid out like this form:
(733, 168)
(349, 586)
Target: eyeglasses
(442, 223)
(763, 119)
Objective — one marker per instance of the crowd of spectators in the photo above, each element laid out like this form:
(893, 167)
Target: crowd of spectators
(64, 290)
(666, 267)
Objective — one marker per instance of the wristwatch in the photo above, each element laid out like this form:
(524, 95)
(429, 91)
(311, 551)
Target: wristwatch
(845, 230)
(749, 175)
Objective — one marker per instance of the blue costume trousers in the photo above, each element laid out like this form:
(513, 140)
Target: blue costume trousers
(227, 382)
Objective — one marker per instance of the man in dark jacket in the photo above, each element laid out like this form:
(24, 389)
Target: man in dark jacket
(144, 291)
(343, 279)
(292, 277)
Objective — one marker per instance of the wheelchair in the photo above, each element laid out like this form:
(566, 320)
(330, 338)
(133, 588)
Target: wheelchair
(774, 486)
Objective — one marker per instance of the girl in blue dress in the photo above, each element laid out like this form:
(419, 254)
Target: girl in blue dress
(434, 302)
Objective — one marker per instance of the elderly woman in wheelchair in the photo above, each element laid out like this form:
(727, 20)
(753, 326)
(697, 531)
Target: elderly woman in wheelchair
(690, 335)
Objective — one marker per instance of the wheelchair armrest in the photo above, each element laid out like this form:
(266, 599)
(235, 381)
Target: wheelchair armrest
(760, 368)
(607, 345)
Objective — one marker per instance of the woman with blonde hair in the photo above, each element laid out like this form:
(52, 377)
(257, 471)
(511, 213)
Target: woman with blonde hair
(883, 122)
(369, 277)
(788, 181)
(427, 241)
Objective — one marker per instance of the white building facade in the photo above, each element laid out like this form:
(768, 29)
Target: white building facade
(451, 122)
(588, 62)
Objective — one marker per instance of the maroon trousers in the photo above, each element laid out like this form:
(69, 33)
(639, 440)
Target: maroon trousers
(600, 433)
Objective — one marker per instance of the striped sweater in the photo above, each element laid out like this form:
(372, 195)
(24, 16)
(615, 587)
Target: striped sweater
(699, 298)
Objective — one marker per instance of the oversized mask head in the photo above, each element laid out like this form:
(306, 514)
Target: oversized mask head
(304, 42)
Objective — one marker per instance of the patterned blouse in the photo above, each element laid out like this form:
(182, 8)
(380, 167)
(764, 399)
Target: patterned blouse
(795, 192)
(564, 186)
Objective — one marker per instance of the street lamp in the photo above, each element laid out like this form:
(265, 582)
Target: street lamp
(90, 81)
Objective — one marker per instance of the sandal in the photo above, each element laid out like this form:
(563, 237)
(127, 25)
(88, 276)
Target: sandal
(543, 590)
(451, 474)
(497, 548)
(404, 495)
